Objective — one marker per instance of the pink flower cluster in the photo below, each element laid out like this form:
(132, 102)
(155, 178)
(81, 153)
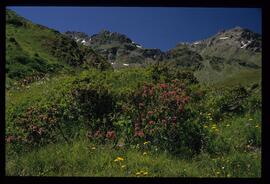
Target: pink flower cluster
(111, 135)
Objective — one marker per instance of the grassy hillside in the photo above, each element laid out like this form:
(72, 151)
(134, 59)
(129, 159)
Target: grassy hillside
(34, 50)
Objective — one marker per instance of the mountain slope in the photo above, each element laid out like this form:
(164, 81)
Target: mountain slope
(183, 56)
(34, 50)
(236, 43)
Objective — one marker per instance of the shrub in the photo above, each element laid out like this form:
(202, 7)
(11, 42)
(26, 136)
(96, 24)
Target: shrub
(233, 100)
(15, 21)
(94, 101)
(18, 71)
(227, 102)
(13, 40)
(51, 122)
(94, 104)
(35, 126)
(23, 59)
(168, 73)
(159, 115)
(254, 101)
(217, 145)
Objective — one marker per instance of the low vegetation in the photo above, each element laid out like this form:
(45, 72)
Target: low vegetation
(132, 123)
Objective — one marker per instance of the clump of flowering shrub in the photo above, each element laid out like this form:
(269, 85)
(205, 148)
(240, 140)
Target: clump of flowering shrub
(36, 126)
(159, 115)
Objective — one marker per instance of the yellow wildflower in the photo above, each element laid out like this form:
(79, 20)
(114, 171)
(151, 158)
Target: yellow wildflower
(257, 126)
(145, 173)
(119, 159)
(205, 126)
(146, 142)
(227, 125)
(123, 166)
(144, 153)
(141, 172)
(218, 173)
(93, 148)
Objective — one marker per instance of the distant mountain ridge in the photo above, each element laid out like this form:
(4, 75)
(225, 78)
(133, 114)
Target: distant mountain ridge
(236, 43)
(117, 48)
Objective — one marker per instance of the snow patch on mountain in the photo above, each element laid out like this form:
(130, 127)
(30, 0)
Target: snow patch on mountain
(245, 44)
(223, 38)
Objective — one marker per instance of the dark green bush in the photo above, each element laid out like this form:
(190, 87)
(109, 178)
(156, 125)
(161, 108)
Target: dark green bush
(23, 59)
(254, 101)
(217, 145)
(168, 73)
(233, 100)
(217, 63)
(226, 102)
(94, 103)
(18, 71)
(13, 40)
(15, 21)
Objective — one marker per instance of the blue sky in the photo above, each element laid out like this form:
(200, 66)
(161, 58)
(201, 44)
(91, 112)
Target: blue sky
(152, 27)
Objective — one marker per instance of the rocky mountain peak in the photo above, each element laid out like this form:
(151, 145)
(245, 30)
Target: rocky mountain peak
(78, 37)
(74, 34)
(107, 37)
(237, 37)
(104, 31)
